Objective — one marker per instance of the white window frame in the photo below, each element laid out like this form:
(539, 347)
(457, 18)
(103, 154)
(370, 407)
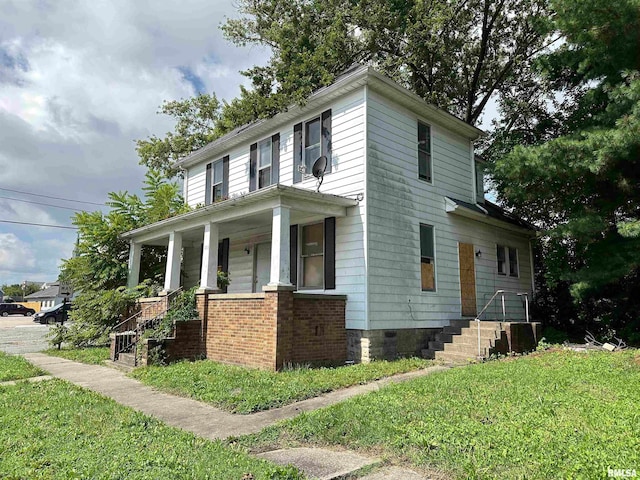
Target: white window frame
(301, 257)
(214, 184)
(269, 166)
(506, 252)
(308, 168)
(429, 153)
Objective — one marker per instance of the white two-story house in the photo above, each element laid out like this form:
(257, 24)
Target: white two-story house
(399, 231)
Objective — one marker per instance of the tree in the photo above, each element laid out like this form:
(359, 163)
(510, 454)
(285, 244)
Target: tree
(15, 291)
(456, 54)
(101, 260)
(579, 178)
(99, 268)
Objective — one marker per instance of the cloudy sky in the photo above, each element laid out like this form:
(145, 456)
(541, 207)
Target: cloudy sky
(79, 82)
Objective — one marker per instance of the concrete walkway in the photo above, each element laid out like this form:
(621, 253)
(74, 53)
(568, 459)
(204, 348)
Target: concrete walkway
(194, 416)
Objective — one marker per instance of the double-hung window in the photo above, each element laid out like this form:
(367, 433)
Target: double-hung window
(507, 260)
(264, 162)
(424, 152)
(312, 256)
(312, 135)
(427, 258)
(217, 179)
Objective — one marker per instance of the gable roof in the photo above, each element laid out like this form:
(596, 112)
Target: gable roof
(351, 79)
(50, 292)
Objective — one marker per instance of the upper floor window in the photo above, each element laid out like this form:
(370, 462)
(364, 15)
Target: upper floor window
(311, 140)
(217, 181)
(311, 143)
(424, 151)
(479, 173)
(507, 259)
(427, 258)
(264, 162)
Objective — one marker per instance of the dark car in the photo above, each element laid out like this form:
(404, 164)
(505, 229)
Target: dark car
(57, 313)
(7, 309)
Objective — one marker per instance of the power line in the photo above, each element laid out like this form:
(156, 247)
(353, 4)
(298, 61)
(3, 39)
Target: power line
(54, 198)
(41, 203)
(39, 224)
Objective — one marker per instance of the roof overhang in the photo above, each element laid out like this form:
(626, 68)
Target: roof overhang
(344, 84)
(480, 214)
(260, 201)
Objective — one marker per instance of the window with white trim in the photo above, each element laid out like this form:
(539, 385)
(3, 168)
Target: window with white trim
(312, 256)
(424, 152)
(312, 147)
(427, 259)
(264, 162)
(507, 260)
(217, 174)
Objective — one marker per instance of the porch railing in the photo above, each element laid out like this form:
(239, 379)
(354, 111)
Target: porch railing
(129, 331)
(501, 294)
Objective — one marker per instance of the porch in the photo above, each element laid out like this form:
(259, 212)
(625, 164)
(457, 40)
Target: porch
(278, 247)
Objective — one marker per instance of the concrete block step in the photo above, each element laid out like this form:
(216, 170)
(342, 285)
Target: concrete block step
(455, 357)
(466, 348)
(128, 359)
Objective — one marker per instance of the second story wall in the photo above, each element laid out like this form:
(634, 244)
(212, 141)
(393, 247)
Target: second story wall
(346, 142)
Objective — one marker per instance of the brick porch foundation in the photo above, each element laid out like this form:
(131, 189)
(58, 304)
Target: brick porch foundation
(273, 329)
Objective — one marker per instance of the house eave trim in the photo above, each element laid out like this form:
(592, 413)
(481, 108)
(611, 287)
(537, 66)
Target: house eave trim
(462, 211)
(293, 197)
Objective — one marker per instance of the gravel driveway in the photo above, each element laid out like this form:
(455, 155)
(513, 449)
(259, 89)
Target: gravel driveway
(19, 334)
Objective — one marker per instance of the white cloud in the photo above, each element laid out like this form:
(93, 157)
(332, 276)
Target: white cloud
(15, 255)
(80, 81)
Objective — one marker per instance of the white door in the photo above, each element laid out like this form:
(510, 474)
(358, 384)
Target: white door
(262, 271)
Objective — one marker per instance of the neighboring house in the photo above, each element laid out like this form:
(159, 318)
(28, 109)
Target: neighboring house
(48, 296)
(1, 296)
(398, 242)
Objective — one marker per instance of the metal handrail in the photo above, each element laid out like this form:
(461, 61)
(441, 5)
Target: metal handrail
(137, 314)
(124, 345)
(504, 310)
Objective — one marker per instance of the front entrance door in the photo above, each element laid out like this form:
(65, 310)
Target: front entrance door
(467, 279)
(262, 271)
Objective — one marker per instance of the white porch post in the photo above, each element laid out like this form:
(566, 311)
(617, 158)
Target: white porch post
(209, 273)
(280, 245)
(135, 252)
(174, 258)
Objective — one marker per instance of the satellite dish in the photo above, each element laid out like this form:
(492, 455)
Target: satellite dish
(319, 167)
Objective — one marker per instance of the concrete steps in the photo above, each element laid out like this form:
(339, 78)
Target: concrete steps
(128, 359)
(458, 342)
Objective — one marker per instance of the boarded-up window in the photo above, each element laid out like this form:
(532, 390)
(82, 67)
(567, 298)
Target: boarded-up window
(424, 151)
(427, 258)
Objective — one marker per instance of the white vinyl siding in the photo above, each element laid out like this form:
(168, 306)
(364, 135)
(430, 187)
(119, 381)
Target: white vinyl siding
(398, 202)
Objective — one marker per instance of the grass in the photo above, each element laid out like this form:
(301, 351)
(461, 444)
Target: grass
(55, 430)
(91, 355)
(552, 415)
(246, 390)
(13, 367)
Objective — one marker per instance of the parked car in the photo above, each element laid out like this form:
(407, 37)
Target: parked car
(7, 309)
(57, 313)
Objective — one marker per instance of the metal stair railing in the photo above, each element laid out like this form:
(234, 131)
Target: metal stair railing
(127, 338)
(502, 294)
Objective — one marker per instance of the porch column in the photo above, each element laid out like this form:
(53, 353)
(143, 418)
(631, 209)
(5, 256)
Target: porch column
(135, 252)
(209, 273)
(280, 245)
(174, 259)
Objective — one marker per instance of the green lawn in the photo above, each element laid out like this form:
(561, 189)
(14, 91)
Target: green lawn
(92, 355)
(552, 415)
(13, 367)
(55, 430)
(246, 390)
